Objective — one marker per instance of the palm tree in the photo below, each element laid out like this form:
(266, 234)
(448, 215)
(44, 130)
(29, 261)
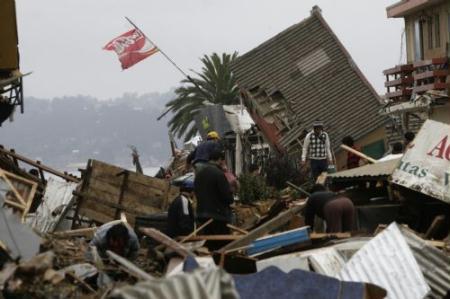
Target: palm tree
(215, 85)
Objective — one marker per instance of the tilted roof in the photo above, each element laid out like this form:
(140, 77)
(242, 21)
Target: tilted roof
(302, 74)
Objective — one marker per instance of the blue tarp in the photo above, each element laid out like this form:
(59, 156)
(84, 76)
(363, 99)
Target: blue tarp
(272, 283)
(279, 240)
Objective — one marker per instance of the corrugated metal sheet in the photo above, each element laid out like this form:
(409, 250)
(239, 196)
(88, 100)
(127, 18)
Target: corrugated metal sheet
(375, 170)
(312, 71)
(387, 261)
(55, 203)
(201, 284)
(434, 263)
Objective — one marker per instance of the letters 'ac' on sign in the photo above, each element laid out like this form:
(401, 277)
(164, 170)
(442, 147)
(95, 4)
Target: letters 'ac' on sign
(425, 167)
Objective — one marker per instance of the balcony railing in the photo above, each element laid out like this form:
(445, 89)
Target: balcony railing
(405, 80)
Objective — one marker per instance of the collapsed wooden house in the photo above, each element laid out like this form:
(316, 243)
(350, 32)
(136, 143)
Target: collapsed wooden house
(302, 74)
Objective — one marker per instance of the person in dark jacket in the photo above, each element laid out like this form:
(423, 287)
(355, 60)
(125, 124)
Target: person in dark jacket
(337, 211)
(180, 217)
(200, 156)
(119, 238)
(214, 196)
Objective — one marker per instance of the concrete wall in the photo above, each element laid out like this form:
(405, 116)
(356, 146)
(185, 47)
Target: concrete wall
(443, 10)
(374, 136)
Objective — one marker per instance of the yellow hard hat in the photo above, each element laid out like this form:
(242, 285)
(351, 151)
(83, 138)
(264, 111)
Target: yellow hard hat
(213, 135)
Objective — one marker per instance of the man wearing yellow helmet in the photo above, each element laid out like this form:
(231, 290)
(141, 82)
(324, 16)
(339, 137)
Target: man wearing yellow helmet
(200, 156)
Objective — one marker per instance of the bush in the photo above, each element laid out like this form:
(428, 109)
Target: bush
(252, 188)
(281, 169)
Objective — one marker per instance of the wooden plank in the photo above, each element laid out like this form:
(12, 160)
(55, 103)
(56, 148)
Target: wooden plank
(437, 223)
(237, 229)
(82, 232)
(142, 195)
(196, 231)
(267, 227)
(39, 165)
(212, 238)
(109, 204)
(129, 266)
(359, 154)
(298, 189)
(314, 236)
(166, 240)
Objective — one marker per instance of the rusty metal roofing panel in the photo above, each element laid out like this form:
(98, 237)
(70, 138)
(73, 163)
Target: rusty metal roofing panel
(434, 263)
(387, 261)
(385, 168)
(316, 75)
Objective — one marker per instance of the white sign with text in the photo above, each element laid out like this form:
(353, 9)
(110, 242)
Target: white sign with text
(425, 167)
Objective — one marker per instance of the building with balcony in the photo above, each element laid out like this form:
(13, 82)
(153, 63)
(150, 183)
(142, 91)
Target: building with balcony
(11, 91)
(419, 89)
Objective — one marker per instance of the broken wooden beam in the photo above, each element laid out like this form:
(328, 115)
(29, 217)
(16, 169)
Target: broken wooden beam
(214, 238)
(40, 166)
(314, 236)
(82, 232)
(166, 240)
(129, 266)
(237, 229)
(266, 228)
(299, 189)
(196, 231)
(437, 223)
(359, 154)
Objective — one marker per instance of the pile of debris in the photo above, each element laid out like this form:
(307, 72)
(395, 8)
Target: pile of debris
(46, 226)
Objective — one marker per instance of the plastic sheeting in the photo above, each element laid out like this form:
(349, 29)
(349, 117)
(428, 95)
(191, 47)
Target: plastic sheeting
(55, 204)
(200, 284)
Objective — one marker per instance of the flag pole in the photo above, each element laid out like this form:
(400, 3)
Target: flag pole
(171, 61)
(160, 50)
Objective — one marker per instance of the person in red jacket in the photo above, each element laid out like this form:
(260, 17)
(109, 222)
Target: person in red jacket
(352, 159)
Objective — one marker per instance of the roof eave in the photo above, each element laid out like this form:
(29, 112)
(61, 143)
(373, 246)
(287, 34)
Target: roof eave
(407, 7)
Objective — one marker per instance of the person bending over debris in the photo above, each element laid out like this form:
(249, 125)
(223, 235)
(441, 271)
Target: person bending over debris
(214, 196)
(118, 238)
(337, 211)
(316, 148)
(200, 156)
(180, 217)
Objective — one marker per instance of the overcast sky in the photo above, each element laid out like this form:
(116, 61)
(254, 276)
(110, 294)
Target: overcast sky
(61, 41)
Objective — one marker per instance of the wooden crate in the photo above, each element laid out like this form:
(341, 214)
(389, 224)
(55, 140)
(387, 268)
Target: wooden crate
(108, 190)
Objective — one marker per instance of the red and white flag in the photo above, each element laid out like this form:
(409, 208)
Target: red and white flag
(131, 47)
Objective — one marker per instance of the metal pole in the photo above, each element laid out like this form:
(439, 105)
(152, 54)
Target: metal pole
(159, 49)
